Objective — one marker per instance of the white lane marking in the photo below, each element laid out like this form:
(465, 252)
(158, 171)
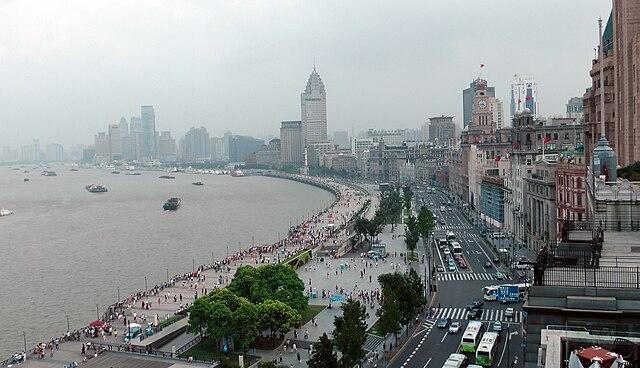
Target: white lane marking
(504, 348)
(428, 361)
(444, 337)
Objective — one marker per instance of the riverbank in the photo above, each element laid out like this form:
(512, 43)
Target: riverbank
(175, 294)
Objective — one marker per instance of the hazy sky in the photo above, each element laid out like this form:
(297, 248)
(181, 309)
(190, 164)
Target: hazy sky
(69, 68)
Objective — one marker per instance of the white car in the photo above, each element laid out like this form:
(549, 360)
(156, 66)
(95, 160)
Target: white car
(498, 235)
(509, 312)
(454, 328)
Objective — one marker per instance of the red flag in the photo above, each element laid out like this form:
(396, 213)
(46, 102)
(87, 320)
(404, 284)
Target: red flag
(546, 139)
(482, 65)
(498, 158)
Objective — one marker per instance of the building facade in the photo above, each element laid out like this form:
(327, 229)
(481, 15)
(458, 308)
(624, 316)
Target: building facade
(468, 94)
(575, 109)
(240, 146)
(313, 102)
(54, 152)
(571, 200)
(149, 134)
(291, 143)
(442, 130)
(167, 149)
(524, 95)
(194, 146)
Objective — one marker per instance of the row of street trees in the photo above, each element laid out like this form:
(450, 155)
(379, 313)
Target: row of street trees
(402, 297)
(416, 228)
(389, 212)
(268, 298)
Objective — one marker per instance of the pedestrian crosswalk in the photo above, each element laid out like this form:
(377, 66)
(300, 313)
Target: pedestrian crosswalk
(466, 276)
(372, 342)
(487, 315)
(453, 227)
(428, 324)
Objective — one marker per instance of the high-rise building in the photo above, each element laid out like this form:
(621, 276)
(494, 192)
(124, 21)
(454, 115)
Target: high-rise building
(30, 152)
(524, 95)
(195, 145)
(115, 143)
(291, 143)
(240, 146)
(166, 147)
(54, 152)
(442, 130)
(341, 138)
(467, 101)
(149, 134)
(498, 113)
(575, 108)
(125, 139)
(313, 102)
(135, 138)
(101, 147)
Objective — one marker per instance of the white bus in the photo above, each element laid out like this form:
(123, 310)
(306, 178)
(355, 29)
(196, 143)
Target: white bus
(471, 337)
(456, 248)
(491, 292)
(487, 349)
(455, 361)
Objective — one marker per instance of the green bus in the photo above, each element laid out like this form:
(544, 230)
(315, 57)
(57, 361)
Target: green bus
(487, 349)
(471, 337)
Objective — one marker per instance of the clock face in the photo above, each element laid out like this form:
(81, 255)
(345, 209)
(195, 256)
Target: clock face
(482, 104)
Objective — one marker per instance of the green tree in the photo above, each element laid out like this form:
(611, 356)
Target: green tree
(277, 316)
(411, 234)
(349, 333)
(323, 355)
(407, 195)
(389, 313)
(200, 313)
(426, 222)
(274, 281)
(246, 324)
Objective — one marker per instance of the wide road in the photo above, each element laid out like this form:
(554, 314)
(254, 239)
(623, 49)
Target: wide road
(431, 346)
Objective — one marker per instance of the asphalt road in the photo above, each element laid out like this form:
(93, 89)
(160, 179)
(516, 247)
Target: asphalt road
(431, 346)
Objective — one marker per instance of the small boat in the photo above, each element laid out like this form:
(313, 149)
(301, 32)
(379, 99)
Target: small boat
(134, 174)
(26, 179)
(73, 170)
(166, 177)
(115, 172)
(4, 212)
(49, 173)
(198, 183)
(237, 173)
(172, 204)
(25, 172)
(96, 188)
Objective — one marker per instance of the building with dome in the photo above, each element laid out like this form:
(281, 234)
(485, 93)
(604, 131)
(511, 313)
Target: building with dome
(313, 106)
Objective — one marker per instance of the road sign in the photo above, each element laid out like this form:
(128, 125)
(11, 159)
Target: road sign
(508, 293)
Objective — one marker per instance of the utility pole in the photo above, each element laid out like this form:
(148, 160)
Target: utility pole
(146, 289)
(24, 337)
(97, 313)
(167, 275)
(193, 265)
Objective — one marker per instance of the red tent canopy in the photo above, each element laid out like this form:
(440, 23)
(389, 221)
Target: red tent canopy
(596, 354)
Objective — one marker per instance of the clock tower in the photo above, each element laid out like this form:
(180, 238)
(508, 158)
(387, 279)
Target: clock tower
(483, 108)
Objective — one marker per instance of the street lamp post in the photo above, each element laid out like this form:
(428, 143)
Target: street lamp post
(24, 337)
(146, 289)
(118, 294)
(68, 329)
(97, 313)
(193, 265)
(167, 275)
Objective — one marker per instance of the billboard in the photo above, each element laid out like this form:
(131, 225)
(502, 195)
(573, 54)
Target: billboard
(508, 293)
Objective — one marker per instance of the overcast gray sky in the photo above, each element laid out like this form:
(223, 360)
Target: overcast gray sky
(69, 68)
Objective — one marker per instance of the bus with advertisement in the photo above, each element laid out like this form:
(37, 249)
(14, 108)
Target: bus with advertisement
(471, 337)
(487, 349)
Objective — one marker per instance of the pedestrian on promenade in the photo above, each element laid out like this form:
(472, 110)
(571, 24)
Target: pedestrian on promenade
(297, 355)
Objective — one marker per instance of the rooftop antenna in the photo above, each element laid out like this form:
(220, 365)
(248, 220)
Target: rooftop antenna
(314, 63)
(601, 57)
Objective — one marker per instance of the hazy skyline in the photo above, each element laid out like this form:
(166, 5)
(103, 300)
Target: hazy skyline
(67, 70)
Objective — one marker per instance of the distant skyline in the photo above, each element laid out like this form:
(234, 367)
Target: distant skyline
(69, 69)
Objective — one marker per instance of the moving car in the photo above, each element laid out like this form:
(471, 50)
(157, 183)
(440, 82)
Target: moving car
(509, 312)
(499, 275)
(475, 305)
(474, 314)
(498, 235)
(455, 327)
(443, 322)
(488, 264)
(496, 326)
(440, 268)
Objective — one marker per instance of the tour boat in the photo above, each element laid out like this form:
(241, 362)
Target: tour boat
(198, 183)
(96, 188)
(49, 173)
(172, 204)
(166, 177)
(4, 212)
(237, 173)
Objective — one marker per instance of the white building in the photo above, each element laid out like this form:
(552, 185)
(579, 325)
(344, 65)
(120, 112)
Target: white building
(54, 152)
(313, 103)
(524, 94)
(498, 113)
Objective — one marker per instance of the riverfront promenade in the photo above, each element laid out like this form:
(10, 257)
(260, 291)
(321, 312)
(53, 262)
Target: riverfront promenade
(165, 300)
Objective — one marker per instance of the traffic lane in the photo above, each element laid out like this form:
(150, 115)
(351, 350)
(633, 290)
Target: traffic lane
(476, 256)
(430, 350)
(460, 293)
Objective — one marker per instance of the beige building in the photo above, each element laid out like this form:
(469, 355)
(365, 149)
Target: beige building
(291, 143)
(313, 103)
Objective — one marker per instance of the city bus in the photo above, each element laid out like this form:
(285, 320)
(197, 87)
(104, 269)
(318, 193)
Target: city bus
(471, 337)
(491, 292)
(456, 248)
(451, 236)
(487, 349)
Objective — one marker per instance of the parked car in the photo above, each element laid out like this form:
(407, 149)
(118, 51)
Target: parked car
(451, 267)
(475, 305)
(509, 312)
(443, 322)
(455, 327)
(496, 326)
(488, 264)
(440, 268)
(462, 264)
(498, 235)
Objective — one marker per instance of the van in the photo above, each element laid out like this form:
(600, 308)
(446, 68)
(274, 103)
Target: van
(455, 361)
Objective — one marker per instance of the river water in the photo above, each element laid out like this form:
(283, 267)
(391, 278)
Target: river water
(66, 251)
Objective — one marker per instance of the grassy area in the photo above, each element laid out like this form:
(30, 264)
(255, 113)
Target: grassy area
(205, 350)
(298, 260)
(311, 311)
(171, 320)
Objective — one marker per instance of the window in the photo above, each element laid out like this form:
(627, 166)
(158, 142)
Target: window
(555, 135)
(566, 135)
(579, 217)
(579, 200)
(579, 183)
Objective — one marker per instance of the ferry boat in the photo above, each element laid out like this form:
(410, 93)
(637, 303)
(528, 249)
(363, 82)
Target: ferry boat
(4, 212)
(26, 179)
(49, 173)
(166, 177)
(172, 204)
(73, 169)
(96, 188)
(115, 172)
(198, 183)
(135, 173)
(237, 173)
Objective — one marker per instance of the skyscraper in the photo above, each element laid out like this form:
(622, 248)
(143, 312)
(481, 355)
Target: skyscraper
(291, 143)
(498, 114)
(148, 118)
(195, 146)
(313, 102)
(467, 101)
(115, 143)
(524, 94)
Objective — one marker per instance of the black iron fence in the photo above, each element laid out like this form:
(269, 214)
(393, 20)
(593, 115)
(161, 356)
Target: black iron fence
(601, 277)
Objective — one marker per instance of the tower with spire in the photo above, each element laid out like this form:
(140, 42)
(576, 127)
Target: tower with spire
(313, 108)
